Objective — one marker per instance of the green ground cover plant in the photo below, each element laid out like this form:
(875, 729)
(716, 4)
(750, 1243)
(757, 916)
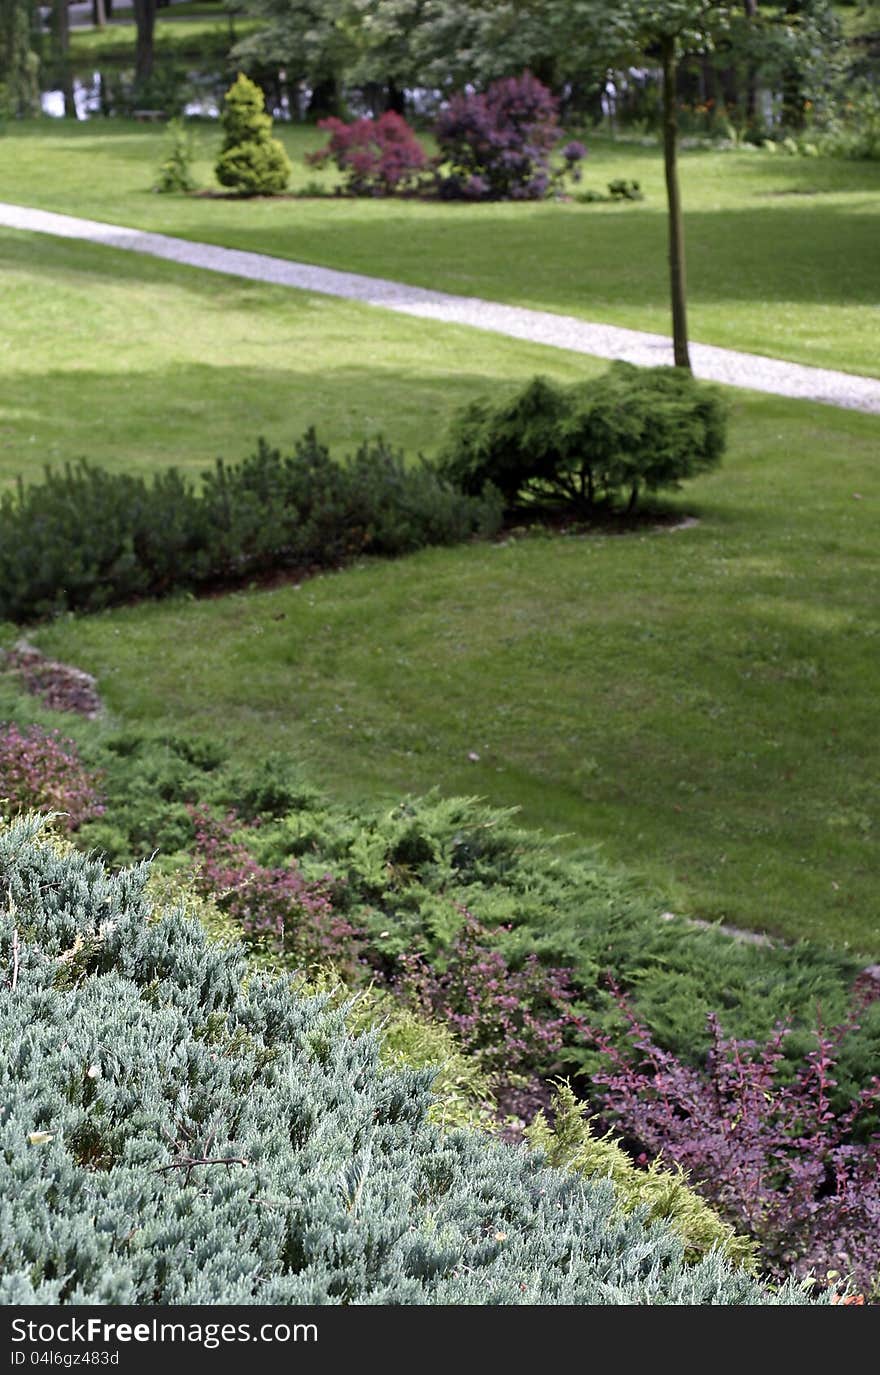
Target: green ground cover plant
(448, 882)
(270, 1086)
(782, 252)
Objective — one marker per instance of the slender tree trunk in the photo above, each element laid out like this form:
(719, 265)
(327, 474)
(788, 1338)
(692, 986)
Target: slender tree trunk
(677, 280)
(395, 98)
(99, 13)
(145, 19)
(61, 37)
(751, 12)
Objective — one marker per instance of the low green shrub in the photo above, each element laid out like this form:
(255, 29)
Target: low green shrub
(590, 445)
(251, 162)
(85, 538)
(176, 1132)
(175, 171)
(571, 1144)
(620, 189)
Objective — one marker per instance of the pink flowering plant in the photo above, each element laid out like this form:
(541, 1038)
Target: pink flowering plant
(42, 770)
(274, 905)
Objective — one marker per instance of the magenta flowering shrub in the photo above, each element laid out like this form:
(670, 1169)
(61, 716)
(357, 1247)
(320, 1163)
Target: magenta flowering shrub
(377, 157)
(516, 1021)
(496, 145)
(42, 770)
(277, 905)
(765, 1149)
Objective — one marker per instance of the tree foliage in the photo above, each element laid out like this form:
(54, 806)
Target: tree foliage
(19, 63)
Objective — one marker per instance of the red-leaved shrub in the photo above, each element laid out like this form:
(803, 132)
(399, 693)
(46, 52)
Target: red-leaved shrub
(377, 157)
(293, 914)
(763, 1147)
(42, 770)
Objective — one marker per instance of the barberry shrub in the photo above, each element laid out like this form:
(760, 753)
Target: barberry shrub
(762, 1143)
(251, 162)
(41, 770)
(377, 157)
(179, 1129)
(596, 444)
(497, 144)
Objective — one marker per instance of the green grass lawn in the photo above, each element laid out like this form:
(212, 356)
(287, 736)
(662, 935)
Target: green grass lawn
(783, 253)
(700, 702)
(136, 363)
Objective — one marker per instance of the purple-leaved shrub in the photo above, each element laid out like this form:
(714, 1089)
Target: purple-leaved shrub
(496, 145)
(42, 770)
(763, 1147)
(516, 1021)
(276, 905)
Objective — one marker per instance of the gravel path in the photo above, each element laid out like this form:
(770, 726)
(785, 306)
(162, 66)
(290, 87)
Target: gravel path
(538, 326)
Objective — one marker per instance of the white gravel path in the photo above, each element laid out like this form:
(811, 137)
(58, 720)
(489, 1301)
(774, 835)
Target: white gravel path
(538, 326)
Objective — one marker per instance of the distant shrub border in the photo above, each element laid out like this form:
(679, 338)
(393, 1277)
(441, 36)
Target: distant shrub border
(85, 538)
(495, 145)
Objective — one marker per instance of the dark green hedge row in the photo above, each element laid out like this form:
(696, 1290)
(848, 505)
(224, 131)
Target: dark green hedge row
(135, 1049)
(85, 538)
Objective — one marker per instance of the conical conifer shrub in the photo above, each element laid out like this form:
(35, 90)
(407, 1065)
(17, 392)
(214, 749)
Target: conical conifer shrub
(251, 161)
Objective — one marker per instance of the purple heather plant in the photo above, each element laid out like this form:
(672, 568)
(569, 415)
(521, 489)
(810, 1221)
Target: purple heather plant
(764, 1148)
(516, 1021)
(293, 914)
(42, 770)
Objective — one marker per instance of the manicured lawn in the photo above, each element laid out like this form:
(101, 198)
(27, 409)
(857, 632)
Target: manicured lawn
(702, 702)
(132, 362)
(784, 253)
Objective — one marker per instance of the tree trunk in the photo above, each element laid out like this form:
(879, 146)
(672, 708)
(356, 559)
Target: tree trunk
(395, 98)
(99, 13)
(673, 195)
(145, 19)
(61, 37)
(751, 12)
(325, 99)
